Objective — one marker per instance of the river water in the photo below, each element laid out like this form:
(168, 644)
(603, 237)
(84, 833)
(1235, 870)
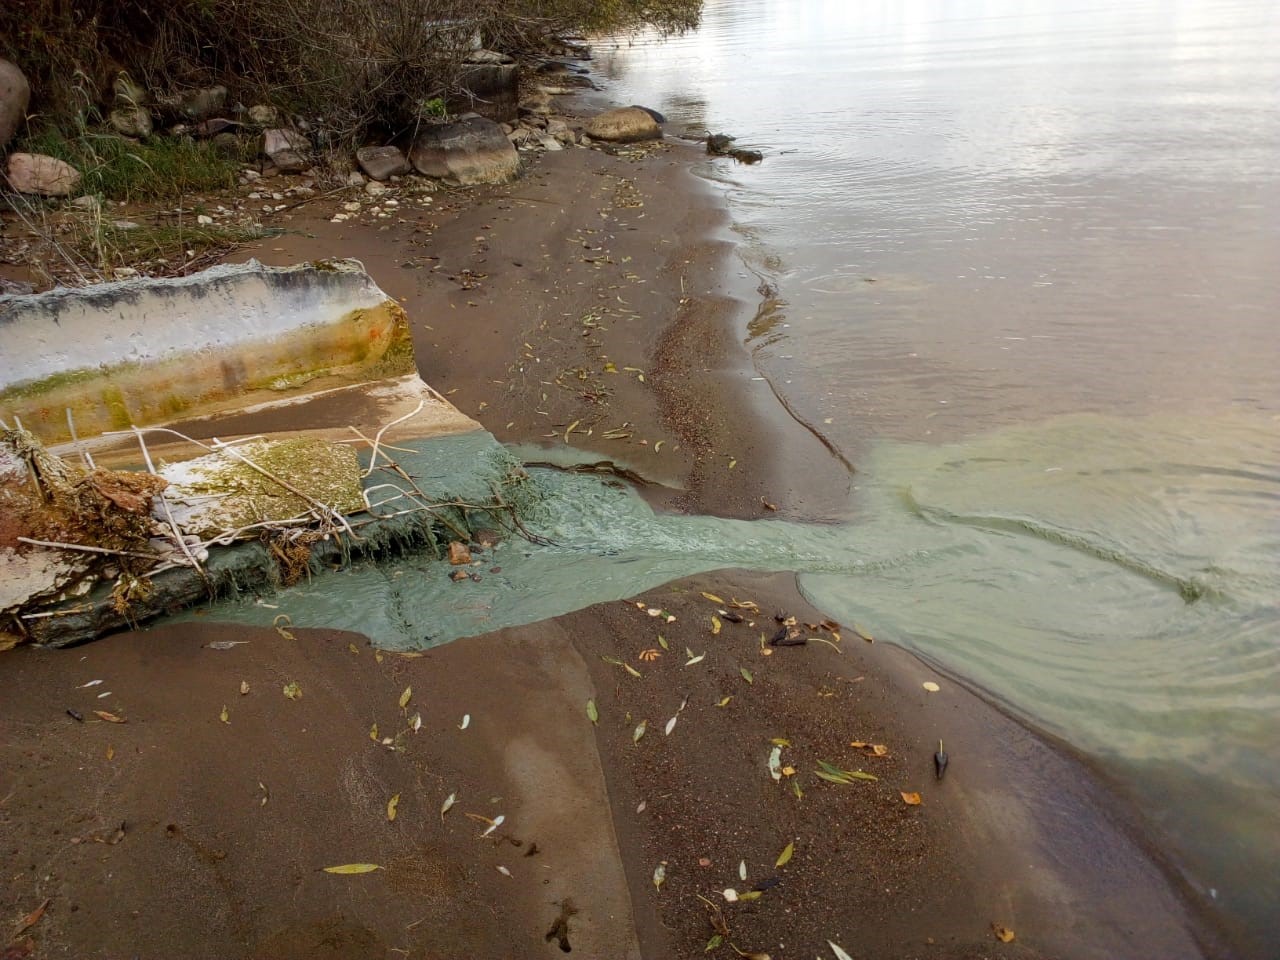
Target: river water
(1027, 257)
(1028, 263)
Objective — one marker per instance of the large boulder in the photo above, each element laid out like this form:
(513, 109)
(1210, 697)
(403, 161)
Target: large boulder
(288, 150)
(471, 150)
(382, 163)
(44, 176)
(15, 95)
(490, 83)
(624, 125)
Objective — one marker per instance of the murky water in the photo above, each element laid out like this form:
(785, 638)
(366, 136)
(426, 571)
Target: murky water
(1026, 253)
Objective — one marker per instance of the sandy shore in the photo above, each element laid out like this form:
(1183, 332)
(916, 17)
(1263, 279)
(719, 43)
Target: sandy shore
(180, 834)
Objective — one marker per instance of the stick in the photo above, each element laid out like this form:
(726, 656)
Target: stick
(85, 548)
(377, 437)
(84, 451)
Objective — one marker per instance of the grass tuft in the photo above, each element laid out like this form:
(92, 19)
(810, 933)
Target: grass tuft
(160, 169)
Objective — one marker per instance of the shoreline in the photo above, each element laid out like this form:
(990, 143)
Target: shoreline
(696, 398)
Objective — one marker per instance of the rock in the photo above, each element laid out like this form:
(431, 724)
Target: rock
(375, 189)
(15, 96)
(355, 179)
(471, 150)
(459, 553)
(131, 121)
(86, 202)
(657, 117)
(263, 114)
(624, 125)
(195, 104)
(559, 129)
(718, 144)
(286, 149)
(46, 176)
(382, 163)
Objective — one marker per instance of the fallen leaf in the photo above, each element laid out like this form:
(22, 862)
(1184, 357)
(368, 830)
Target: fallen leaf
(749, 895)
(406, 697)
(497, 822)
(780, 742)
(662, 642)
(671, 725)
(91, 683)
(391, 807)
(1003, 933)
(732, 464)
(775, 764)
(746, 675)
(715, 625)
(570, 430)
(504, 871)
(724, 702)
(111, 752)
(373, 733)
(863, 634)
(692, 659)
(714, 943)
(416, 723)
(109, 717)
(788, 771)
(353, 648)
(466, 721)
(224, 716)
(352, 868)
(639, 731)
(32, 918)
(631, 670)
(840, 954)
(377, 656)
(659, 875)
(712, 597)
(742, 870)
(785, 856)
(795, 788)
(641, 805)
(592, 713)
(449, 801)
(910, 799)
(281, 629)
(293, 691)
(244, 687)
(931, 686)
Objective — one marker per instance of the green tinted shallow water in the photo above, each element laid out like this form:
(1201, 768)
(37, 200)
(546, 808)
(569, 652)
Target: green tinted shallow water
(1114, 580)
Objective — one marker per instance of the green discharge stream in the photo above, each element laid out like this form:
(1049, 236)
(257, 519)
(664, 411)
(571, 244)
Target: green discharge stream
(1112, 581)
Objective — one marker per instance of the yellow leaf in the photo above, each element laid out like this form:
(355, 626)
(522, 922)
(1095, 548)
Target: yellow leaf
(244, 687)
(109, 717)
(879, 750)
(391, 807)
(785, 856)
(293, 691)
(788, 771)
(569, 430)
(224, 716)
(750, 895)
(715, 624)
(713, 598)
(910, 799)
(406, 697)
(350, 868)
(1003, 933)
(732, 464)
(373, 733)
(377, 656)
(281, 629)
(780, 742)
(111, 752)
(353, 648)
(931, 686)
(724, 702)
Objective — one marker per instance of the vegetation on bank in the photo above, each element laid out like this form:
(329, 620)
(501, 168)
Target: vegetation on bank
(351, 67)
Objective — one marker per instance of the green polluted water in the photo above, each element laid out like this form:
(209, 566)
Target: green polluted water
(1112, 581)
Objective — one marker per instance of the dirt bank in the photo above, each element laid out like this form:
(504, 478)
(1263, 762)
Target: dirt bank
(538, 308)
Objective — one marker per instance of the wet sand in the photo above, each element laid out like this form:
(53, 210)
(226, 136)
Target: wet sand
(227, 826)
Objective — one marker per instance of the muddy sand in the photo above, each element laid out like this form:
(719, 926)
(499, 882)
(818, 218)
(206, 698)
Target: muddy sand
(595, 295)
